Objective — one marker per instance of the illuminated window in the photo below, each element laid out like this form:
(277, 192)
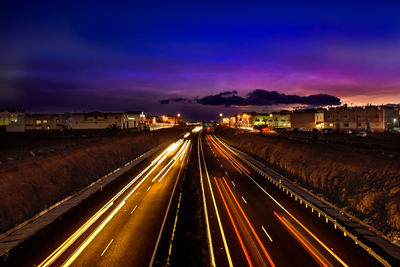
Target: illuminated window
(44, 121)
(38, 121)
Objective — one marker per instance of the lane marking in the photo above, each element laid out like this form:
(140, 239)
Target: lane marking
(226, 173)
(173, 230)
(230, 156)
(104, 251)
(294, 218)
(234, 225)
(233, 183)
(64, 246)
(228, 255)
(215, 146)
(148, 188)
(244, 200)
(165, 218)
(221, 165)
(265, 231)
(304, 242)
(78, 251)
(133, 209)
(210, 246)
(249, 224)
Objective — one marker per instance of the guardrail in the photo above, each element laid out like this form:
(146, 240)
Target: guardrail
(297, 197)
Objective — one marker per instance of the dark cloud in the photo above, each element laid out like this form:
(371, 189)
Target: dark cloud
(178, 99)
(261, 97)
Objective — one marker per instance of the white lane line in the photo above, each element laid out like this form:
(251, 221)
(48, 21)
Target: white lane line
(133, 209)
(148, 188)
(265, 231)
(285, 210)
(226, 173)
(217, 159)
(228, 255)
(104, 251)
(221, 165)
(244, 200)
(210, 246)
(165, 218)
(233, 183)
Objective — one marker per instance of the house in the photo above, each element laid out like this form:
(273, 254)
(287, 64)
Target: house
(12, 120)
(377, 118)
(47, 122)
(307, 119)
(98, 120)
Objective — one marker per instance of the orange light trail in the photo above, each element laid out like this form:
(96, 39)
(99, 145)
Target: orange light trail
(223, 155)
(231, 157)
(301, 240)
(248, 222)
(234, 226)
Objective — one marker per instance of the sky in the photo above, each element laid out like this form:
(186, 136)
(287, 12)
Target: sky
(169, 57)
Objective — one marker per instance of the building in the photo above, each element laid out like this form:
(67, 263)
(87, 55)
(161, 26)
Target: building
(377, 118)
(47, 122)
(273, 120)
(160, 122)
(307, 119)
(98, 120)
(135, 120)
(12, 120)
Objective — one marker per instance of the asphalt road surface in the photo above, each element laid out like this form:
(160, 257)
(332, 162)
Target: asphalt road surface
(252, 223)
(126, 229)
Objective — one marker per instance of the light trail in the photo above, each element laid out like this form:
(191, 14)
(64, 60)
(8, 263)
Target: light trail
(302, 240)
(234, 225)
(230, 156)
(292, 216)
(210, 246)
(53, 256)
(228, 255)
(249, 224)
(63, 247)
(223, 154)
(77, 252)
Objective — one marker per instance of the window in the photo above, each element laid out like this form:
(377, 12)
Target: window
(376, 116)
(345, 124)
(38, 122)
(44, 121)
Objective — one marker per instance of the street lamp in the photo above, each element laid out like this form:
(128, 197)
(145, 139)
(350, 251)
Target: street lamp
(220, 118)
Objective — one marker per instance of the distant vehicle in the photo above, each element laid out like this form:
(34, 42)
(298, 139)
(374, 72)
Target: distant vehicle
(362, 134)
(368, 131)
(347, 131)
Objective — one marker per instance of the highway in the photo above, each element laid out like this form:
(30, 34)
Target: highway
(126, 230)
(252, 223)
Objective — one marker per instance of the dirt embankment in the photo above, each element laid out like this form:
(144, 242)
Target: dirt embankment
(365, 184)
(27, 187)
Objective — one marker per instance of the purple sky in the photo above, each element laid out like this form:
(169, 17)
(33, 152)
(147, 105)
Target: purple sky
(58, 56)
